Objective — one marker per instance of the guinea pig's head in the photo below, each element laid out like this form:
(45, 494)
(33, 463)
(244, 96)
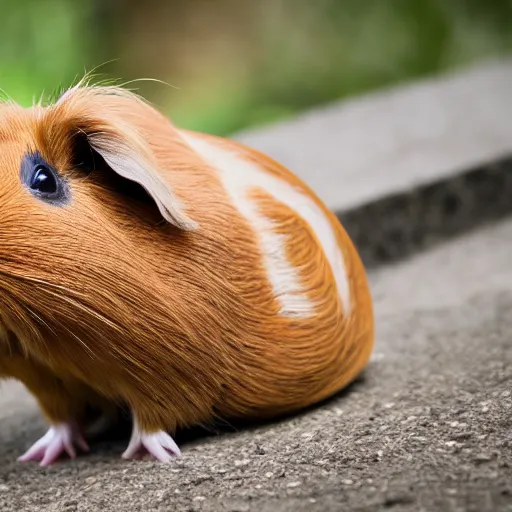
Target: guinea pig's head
(82, 186)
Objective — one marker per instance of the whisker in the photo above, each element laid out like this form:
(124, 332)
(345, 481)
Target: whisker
(43, 282)
(86, 309)
(70, 296)
(35, 315)
(88, 349)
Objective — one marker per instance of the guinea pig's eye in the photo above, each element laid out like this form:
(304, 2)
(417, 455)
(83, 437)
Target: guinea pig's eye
(43, 180)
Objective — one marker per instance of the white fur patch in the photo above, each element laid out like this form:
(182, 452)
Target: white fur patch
(239, 176)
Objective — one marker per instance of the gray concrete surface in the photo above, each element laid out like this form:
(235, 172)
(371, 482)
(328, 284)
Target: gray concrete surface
(428, 428)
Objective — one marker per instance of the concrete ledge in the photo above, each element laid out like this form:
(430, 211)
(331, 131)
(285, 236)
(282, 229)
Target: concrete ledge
(407, 166)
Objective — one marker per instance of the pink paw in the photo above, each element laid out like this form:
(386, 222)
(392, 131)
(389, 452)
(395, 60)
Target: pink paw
(159, 445)
(59, 439)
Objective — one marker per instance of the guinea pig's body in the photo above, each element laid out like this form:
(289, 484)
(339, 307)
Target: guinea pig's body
(183, 275)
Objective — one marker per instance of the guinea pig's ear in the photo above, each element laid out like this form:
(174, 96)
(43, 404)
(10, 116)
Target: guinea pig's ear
(129, 156)
(99, 115)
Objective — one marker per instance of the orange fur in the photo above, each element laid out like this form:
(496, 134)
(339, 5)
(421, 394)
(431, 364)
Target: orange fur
(60, 399)
(163, 304)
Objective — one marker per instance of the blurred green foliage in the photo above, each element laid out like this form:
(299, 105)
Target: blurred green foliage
(240, 63)
(39, 47)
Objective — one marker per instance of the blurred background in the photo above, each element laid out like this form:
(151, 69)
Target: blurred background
(235, 64)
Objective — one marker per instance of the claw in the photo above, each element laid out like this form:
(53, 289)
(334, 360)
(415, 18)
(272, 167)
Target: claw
(59, 439)
(159, 445)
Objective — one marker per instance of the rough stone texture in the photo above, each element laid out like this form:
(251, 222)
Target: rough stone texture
(410, 166)
(402, 224)
(429, 426)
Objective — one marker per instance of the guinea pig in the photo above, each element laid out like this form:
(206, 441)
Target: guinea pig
(182, 275)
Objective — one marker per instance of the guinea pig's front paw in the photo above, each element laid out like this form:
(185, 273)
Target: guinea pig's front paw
(159, 445)
(59, 439)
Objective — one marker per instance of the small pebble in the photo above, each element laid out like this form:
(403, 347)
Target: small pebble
(240, 508)
(483, 457)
